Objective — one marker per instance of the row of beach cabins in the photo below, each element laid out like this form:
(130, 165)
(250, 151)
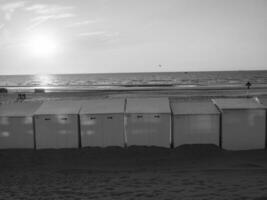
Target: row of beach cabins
(230, 123)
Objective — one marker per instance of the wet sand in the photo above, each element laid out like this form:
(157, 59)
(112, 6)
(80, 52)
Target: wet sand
(187, 172)
(174, 94)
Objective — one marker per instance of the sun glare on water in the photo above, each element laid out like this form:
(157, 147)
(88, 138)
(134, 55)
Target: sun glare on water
(42, 45)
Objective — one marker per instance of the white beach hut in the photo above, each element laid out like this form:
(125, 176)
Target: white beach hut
(195, 123)
(262, 100)
(16, 125)
(242, 123)
(57, 124)
(148, 122)
(102, 123)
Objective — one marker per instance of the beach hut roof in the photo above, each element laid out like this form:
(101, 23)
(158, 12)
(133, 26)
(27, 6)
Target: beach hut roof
(190, 108)
(238, 103)
(148, 105)
(59, 107)
(19, 109)
(102, 106)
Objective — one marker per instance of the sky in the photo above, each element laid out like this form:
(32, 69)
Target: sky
(110, 36)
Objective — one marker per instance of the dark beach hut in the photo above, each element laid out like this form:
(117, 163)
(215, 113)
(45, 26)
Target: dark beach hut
(16, 125)
(243, 123)
(148, 122)
(102, 123)
(195, 123)
(57, 125)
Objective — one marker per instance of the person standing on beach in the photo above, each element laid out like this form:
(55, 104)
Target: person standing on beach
(248, 84)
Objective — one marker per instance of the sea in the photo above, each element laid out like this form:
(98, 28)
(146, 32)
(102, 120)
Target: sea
(128, 81)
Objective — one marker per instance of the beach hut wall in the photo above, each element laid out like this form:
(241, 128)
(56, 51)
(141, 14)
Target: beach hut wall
(195, 123)
(57, 124)
(148, 122)
(243, 123)
(262, 100)
(16, 125)
(102, 123)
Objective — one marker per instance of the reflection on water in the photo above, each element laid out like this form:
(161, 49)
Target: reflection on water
(44, 80)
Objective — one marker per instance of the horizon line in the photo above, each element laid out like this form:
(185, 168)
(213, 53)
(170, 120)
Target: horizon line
(133, 72)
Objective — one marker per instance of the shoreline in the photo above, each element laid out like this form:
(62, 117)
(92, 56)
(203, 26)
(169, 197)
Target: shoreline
(84, 88)
(173, 94)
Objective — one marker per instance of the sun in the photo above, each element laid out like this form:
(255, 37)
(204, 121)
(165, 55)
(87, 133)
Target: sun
(42, 45)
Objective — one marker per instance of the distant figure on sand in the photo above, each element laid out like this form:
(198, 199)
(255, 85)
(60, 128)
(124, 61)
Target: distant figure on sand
(21, 97)
(248, 84)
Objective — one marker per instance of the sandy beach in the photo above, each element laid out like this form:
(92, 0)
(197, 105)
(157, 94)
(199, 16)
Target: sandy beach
(187, 172)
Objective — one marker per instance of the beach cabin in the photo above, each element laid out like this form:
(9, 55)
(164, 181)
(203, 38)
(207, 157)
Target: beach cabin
(262, 100)
(148, 122)
(16, 125)
(242, 123)
(195, 123)
(102, 123)
(57, 124)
